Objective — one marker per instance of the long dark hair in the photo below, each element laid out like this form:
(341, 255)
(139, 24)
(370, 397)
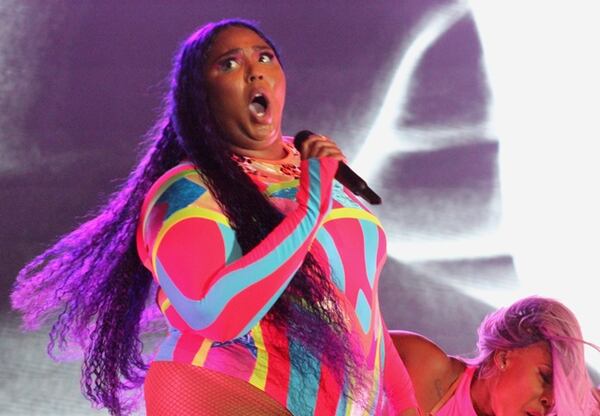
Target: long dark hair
(92, 284)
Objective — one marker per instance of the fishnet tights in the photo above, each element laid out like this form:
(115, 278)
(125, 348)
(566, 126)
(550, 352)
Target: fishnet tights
(180, 389)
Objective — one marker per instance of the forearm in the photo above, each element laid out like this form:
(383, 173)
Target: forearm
(234, 297)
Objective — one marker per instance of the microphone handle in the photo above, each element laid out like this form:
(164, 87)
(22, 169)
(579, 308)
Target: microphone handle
(346, 176)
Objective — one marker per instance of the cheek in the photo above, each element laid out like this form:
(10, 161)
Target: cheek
(224, 96)
(506, 397)
(513, 394)
(280, 90)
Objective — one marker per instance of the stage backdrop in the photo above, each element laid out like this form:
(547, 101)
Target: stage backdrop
(470, 120)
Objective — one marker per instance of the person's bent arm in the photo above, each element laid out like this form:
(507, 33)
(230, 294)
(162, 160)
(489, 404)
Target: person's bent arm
(223, 300)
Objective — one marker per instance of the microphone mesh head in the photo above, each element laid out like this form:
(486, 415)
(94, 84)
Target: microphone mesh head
(301, 137)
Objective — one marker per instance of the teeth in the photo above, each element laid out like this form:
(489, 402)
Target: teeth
(257, 109)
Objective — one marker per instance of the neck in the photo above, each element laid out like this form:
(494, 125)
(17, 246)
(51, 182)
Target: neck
(480, 395)
(274, 152)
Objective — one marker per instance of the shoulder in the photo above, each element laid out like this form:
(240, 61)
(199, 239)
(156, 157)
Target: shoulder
(176, 189)
(430, 368)
(180, 181)
(416, 348)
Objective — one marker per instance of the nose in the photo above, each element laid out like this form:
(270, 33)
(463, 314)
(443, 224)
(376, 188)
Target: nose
(547, 400)
(254, 73)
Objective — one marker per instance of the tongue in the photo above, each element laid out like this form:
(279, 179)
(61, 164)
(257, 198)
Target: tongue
(257, 108)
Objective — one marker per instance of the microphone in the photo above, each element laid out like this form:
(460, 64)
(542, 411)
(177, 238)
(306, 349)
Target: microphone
(344, 174)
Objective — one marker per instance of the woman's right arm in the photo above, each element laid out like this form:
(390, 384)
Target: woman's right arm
(222, 299)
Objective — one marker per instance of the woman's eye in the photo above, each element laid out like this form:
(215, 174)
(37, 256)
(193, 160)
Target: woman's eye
(265, 57)
(547, 377)
(228, 64)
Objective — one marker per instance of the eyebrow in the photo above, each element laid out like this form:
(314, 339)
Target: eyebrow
(234, 51)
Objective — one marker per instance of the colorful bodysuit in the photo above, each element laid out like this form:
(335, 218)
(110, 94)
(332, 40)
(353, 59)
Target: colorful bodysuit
(214, 298)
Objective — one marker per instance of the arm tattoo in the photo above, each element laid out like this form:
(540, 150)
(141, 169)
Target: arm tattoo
(439, 388)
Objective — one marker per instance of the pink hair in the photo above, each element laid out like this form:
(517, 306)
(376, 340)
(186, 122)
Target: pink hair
(534, 319)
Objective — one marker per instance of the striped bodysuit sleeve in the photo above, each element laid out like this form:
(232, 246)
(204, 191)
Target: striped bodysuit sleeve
(397, 383)
(222, 299)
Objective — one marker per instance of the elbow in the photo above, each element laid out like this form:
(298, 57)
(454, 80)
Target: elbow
(220, 330)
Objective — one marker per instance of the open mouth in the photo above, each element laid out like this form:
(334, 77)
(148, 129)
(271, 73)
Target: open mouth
(259, 104)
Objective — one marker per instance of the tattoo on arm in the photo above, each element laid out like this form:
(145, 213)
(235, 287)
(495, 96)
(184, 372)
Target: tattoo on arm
(439, 388)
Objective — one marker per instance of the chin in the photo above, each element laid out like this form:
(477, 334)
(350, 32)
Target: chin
(267, 138)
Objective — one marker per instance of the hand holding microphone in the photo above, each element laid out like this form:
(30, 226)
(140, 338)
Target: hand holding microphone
(313, 145)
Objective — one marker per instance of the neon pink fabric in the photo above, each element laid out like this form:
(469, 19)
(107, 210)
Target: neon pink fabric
(180, 389)
(460, 404)
(214, 298)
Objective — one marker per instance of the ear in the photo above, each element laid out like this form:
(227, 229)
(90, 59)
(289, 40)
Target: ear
(501, 360)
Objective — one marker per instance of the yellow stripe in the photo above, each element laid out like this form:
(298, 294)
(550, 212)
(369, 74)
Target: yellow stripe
(357, 213)
(274, 187)
(349, 407)
(202, 353)
(163, 306)
(184, 214)
(377, 375)
(261, 368)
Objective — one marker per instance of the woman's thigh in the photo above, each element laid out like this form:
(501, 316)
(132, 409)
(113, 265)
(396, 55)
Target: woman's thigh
(173, 388)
